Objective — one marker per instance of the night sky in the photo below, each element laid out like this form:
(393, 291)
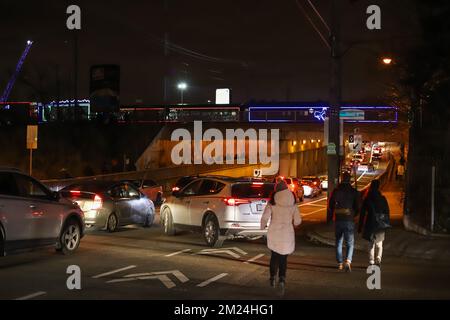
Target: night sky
(261, 49)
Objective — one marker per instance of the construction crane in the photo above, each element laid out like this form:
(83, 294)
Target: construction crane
(11, 81)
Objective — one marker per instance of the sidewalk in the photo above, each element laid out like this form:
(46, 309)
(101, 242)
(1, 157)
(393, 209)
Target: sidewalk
(399, 242)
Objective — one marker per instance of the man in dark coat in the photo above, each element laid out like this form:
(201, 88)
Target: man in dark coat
(343, 206)
(373, 221)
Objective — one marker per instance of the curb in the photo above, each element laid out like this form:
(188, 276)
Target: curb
(314, 236)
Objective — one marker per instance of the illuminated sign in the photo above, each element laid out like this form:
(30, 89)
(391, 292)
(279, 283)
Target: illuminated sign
(223, 96)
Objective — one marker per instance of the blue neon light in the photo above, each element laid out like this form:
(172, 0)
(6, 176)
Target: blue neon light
(319, 112)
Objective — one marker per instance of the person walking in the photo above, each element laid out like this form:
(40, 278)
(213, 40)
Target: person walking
(373, 221)
(283, 214)
(343, 207)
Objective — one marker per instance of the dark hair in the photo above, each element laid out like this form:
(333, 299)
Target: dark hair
(346, 177)
(374, 189)
(272, 198)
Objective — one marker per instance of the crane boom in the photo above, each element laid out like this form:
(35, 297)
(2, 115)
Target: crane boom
(11, 81)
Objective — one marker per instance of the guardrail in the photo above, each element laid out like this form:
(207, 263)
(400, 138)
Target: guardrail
(163, 176)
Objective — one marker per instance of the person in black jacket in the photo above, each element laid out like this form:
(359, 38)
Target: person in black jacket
(373, 221)
(343, 206)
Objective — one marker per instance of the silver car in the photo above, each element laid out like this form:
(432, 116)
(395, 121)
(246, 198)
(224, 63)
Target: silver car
(108, 205)
(219, 207)
(33, 216)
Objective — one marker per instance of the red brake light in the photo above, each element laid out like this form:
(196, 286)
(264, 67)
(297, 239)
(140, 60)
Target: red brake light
(98, 203)
(75, 192)
(258, 183)
(175, 189)
(234, 201)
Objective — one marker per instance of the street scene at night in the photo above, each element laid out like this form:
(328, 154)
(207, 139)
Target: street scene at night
(246, 152)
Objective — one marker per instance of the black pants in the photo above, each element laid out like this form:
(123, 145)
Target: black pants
(278, 262)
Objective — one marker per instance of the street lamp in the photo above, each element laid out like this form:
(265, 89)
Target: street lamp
(387, 61)
(182, 86)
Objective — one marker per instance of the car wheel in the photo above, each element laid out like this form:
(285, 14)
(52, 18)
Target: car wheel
(211, 231)
(149, 220)
(167, 221)
(112, 223)
(70, 238)
(158, 200)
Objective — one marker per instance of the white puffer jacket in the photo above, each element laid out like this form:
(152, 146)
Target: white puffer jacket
(283, 216)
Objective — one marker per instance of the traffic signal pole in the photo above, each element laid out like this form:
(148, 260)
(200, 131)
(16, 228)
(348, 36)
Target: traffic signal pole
(335, 99)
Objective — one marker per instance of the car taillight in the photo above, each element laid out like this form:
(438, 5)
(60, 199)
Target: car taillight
(315, 182)
(75, 193)
(175, 189)
(98, 203)
(234, 201)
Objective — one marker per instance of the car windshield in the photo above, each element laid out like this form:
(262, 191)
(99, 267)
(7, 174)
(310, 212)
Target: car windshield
(252, 190)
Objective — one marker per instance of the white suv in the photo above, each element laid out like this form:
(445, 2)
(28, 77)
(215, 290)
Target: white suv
(219, 207)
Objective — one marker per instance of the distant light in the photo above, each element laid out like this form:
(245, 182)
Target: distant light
(304, 141)
(318, 141)
(387, 60)
(182, 86)
(29, 42)
(312, 140)
(209, 101)
(294, 143)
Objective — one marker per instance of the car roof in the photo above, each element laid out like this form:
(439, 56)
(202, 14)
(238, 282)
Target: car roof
(234, 179)
(92, 185)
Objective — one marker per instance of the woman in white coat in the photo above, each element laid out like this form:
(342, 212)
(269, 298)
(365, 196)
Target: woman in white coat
(283, 214)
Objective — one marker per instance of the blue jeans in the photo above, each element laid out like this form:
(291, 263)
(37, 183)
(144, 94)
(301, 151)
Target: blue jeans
(345, 230)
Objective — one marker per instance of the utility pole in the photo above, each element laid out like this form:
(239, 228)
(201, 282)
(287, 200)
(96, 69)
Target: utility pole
(75, 73)
(335, 99)
(166, 52)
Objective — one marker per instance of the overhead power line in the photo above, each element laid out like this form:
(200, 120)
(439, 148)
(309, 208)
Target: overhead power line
(302, 9)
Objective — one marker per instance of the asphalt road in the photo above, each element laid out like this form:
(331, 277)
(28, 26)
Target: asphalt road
(138, 263)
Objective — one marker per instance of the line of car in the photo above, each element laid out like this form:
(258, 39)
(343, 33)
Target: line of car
(219, 207)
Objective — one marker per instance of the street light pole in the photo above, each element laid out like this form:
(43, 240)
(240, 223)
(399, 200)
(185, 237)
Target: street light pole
(181, 96)
(335, 100)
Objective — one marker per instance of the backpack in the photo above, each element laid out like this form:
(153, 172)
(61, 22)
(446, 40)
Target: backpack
(381, 216)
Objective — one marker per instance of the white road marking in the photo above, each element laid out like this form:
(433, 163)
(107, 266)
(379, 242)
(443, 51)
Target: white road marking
(361, 176)
(180, 276)
(33, 295)
(317, 205)
(205, 283)
(255, 258)
(231, 253)
(242, 252)
(163, 278)
(178, 252)
(112, 272)
(310, 213)
(308, 203)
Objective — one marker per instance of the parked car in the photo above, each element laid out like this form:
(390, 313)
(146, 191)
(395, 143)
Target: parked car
(218, 207)
(324, 182)
(108, 205)
(33, 216)
(311, 186)
(150, 188)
